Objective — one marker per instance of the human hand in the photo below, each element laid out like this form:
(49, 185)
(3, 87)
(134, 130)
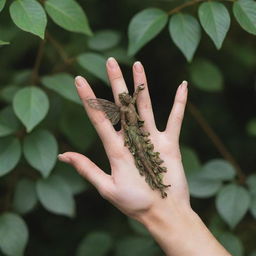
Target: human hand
(125, 187)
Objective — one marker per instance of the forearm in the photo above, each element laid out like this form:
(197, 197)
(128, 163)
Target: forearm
(181, 232)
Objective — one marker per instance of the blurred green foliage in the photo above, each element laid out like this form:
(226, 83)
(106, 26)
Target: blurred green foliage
(46, 207)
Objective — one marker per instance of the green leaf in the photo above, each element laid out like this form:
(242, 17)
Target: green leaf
(138, 227)
(2, 4)
(253, 206)
(13, 233)
(69, 15)
(144, 26)
(190, 160)
(8, 92)
(120, 54)
(55, 195)
(251, 183)
(25, 198)
(75, 181)
(30, 105)
(185, 32)
(201, 187)
(232, 203)
(206, 76)
(136, 246)
(103, 40)
(252, 253)
(29, 16)
(10, 153)
(251, 127)
(4, 42)
(8, 122)
(95, 64)
(97, 243)
(63, 84)
(76, 126)
(218, 169)
(40, 150)
(215, 20)
(232, 243)
(245, 13)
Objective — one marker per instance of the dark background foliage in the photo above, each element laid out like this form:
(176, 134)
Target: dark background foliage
(46, 209)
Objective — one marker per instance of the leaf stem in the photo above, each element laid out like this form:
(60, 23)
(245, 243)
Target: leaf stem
(194, 111)
(34, 75)
(58, 47)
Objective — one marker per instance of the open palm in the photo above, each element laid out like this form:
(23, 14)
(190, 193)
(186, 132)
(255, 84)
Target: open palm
(125, 187)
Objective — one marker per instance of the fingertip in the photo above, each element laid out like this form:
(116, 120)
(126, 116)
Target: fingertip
(138, 67)
(80, 81)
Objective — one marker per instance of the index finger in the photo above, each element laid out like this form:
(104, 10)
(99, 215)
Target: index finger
(102, 125)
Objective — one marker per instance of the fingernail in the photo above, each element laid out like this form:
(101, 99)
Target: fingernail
(63, 158)
(138, 66)
(184, 85)
(79, 81)
(111, 62)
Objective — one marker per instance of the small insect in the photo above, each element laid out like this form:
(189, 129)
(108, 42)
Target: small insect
(136, 138)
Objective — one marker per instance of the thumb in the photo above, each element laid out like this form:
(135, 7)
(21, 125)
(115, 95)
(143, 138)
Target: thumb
(88, 169)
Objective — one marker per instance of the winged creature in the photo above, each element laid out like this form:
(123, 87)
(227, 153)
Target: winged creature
(136, 138)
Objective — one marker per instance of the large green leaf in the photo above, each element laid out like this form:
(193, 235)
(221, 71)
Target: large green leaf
(13, 234)
(63, 84)
(8, 122)
(2, 4)
(69, 15)
(24, 198)
(95, 64)
(251, 183)
(232, 203)
(10, 153)
(215, 20)
(29, 16)
(40, 150)
(232, 243)
(97, 243)
(137, 246)
(185, 31)
(144, 26)
(4, 42)
(76, 126)
(206, 76)
(103, 40)
(190, 160)
(218, 169)
(251, 127)
(56, 196)
(7, 93)
(75, 181)
(253, 206)
(245, 13)
(201, 187)
(31, 105)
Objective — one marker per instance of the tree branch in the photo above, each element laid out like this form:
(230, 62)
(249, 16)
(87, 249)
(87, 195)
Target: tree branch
(34, 75)
(187, 4)
(216, 140)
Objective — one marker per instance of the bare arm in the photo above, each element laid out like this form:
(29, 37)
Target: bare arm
(171, 221)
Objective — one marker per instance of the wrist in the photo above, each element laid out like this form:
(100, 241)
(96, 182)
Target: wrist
(179, 231)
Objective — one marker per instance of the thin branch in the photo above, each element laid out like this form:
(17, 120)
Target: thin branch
(187, 4)
(58, 47)
(215, 140)
(34, 75)
(182, 6)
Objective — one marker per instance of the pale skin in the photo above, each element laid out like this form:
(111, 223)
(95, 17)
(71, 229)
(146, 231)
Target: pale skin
(174, 225)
